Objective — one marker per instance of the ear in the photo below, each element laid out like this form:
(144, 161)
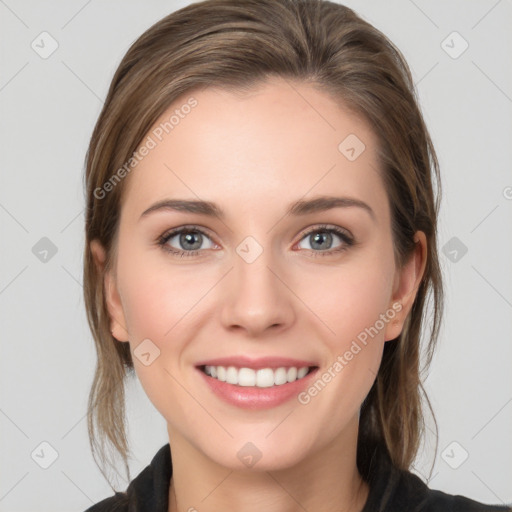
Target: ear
(405, 286)
(112, 297)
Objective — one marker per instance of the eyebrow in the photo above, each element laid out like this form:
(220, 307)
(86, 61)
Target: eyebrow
(318, 204)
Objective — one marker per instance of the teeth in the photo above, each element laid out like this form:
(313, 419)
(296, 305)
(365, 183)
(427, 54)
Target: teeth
(263, 378)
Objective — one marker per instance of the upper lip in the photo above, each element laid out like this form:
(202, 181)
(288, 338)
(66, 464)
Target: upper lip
(256, 363)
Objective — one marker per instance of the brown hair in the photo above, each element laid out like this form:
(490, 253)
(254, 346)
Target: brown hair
(236, 45)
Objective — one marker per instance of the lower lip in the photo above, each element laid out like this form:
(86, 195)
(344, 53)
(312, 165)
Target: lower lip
(251, 397)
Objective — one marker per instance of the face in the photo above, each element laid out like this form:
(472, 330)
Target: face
(262, 285)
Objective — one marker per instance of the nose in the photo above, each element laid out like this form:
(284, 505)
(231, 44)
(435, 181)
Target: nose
(256, 298)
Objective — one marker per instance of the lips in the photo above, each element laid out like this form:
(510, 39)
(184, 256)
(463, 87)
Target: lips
(257, 364)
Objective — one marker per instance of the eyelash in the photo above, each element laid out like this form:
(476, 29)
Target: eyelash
(347, 240)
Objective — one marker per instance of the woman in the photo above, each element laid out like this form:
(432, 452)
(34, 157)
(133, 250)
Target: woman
(282, 140)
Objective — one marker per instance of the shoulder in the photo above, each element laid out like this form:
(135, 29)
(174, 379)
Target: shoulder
(117, 503)
(398, 490)
(413, 491)
(439, 501)
(147, 492)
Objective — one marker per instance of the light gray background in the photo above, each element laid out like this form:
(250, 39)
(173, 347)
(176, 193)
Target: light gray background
(48, 109)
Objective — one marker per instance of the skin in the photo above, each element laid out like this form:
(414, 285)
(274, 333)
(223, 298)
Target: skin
(254, 154)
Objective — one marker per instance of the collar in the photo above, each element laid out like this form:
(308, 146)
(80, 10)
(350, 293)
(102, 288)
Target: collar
(390, 488)
(149, 491)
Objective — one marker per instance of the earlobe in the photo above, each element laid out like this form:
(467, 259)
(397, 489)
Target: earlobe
(406, 284)
(112, 297)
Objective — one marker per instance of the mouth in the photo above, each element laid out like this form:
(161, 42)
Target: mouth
(258, 378)
(256, 383)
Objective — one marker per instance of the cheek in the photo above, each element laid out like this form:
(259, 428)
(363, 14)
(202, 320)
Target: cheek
(349, 300)
(354, 303)
(160, 303)
(158, 297)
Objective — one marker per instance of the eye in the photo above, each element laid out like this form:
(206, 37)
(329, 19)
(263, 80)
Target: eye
(320, 240)
(189, 241)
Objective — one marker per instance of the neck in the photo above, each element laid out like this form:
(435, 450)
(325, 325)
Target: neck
(327, 480)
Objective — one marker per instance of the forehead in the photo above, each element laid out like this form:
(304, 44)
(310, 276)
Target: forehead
(279, 141)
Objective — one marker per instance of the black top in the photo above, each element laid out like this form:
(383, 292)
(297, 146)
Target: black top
(391, 490)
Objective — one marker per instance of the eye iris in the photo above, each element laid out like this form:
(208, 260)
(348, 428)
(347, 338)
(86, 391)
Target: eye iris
(187, 238)
(320, 237)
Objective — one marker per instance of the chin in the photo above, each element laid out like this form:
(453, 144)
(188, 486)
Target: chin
(258, 452)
